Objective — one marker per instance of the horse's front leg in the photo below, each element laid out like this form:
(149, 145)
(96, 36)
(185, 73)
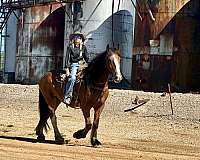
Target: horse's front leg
(83, 132)
(97, 113)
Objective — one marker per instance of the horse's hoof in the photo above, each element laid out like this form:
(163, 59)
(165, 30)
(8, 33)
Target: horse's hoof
(59, 140)
(79, 134)
(41, 138)
(95, 142)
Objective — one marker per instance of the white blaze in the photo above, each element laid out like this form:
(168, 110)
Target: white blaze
(117, 65)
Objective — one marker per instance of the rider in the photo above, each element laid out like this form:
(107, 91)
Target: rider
(76, 53)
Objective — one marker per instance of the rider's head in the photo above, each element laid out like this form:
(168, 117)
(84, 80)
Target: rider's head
(77, 39)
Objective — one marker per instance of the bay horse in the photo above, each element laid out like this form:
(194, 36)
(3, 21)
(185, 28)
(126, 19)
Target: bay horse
(90, 92)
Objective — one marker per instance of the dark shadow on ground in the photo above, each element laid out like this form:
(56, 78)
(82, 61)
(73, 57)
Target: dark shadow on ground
(33, 140)
(24, 139)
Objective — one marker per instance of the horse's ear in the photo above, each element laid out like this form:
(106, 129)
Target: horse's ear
(118, 46)
(107, 47)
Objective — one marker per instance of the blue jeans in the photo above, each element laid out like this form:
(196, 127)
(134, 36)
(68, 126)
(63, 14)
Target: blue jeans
(72, 79)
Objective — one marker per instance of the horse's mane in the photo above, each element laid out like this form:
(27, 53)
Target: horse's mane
(95, 67)
(99, 60)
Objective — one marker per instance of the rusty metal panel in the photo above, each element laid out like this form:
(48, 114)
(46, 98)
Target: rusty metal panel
(40, 42)
(166, 44)
(181, 21)
(17, 4)
(187, 31)
(152, 72)
(164, 11)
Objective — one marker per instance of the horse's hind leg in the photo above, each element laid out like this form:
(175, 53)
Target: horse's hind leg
(44, 115)
(58, 136)
(39, 129)
(83, 132)
(97, 113)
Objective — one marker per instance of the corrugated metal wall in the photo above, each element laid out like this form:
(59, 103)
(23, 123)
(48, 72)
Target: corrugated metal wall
(164, 11)
(172, 37)
(42, 31)
(187, 33)
(40, 42)
(40, 45)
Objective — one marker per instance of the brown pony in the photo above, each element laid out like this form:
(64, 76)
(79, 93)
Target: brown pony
(90, 92)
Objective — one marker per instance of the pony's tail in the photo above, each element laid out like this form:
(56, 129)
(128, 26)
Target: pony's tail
(44, 111)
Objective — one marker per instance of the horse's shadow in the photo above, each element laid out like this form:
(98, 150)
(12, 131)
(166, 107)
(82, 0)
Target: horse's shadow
(32, 140)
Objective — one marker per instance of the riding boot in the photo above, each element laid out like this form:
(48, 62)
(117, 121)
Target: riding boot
(68, 98)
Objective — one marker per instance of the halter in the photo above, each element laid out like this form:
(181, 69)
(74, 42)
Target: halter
(110, 65)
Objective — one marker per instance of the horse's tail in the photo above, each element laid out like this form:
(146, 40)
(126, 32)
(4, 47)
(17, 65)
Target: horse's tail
(44, 111)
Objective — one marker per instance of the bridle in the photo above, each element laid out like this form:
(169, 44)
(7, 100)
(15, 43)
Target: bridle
(110, 63)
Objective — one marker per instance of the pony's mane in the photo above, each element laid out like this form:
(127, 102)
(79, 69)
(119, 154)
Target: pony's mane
(98, 64)
(100, 58)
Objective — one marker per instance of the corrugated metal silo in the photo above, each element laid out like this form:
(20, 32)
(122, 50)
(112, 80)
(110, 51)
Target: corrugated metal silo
(10, 48)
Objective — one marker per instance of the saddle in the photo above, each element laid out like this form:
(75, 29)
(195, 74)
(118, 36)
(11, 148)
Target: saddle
(61, 79)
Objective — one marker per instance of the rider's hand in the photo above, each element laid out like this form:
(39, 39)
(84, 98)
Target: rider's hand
(67, 71)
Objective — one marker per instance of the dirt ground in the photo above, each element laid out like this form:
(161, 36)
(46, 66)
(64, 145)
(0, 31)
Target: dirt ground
(149, 132)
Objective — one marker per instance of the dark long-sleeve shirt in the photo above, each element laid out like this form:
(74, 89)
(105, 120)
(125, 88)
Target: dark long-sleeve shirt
(73, 55)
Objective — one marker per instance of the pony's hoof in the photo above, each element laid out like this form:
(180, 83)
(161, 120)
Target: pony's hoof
(59, 140)
(95, 142)
(41, 138)
(79, 134)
